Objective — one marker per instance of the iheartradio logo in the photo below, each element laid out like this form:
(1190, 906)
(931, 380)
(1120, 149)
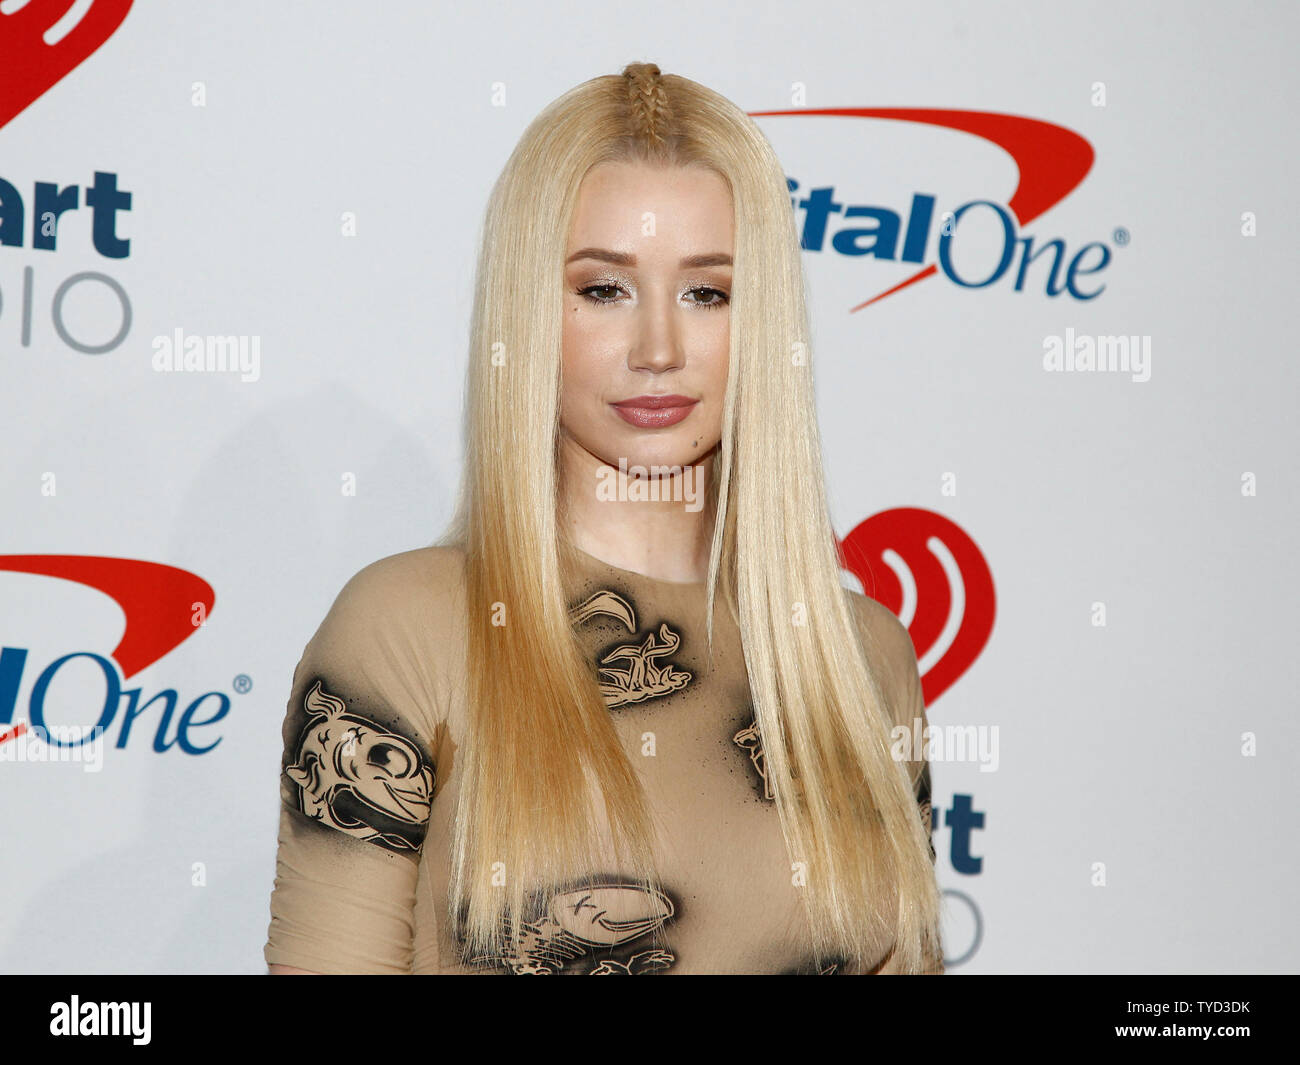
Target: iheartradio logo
(43, 41)
(933, 577)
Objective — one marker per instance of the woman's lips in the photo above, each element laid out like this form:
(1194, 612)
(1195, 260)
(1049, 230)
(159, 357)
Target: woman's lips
(654, 412)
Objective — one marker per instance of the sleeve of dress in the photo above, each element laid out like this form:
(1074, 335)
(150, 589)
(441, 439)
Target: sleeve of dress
(357, 779)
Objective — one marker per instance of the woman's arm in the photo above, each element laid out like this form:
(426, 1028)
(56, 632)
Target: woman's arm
(357, 779)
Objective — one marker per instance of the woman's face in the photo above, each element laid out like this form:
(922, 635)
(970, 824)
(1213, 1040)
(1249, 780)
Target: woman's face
(646, 313)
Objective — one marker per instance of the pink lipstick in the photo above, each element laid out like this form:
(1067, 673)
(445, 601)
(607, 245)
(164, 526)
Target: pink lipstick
(654, 412)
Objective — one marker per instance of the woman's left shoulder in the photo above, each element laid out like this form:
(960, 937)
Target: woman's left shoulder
(887, 642)
(883, 626)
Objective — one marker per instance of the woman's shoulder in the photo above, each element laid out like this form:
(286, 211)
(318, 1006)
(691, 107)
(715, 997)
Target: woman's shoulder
(882, 625)
(888, 646)
(394, 634)
(411, 601)
(415, 579)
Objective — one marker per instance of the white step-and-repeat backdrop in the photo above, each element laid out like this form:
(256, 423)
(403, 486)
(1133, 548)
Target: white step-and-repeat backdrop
(1050, 252)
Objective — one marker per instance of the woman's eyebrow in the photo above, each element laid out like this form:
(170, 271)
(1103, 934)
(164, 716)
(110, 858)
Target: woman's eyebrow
(619, 258)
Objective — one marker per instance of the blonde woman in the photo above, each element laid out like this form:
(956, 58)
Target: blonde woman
(624, 718)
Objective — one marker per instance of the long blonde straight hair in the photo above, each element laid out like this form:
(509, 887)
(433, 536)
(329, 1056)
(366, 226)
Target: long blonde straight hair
(541, 749)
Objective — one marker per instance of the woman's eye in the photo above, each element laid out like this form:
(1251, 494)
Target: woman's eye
(612, 289)
(702, 296)
(719, 301)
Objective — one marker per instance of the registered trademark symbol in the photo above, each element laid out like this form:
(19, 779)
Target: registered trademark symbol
(1121, 236)
(243, 684)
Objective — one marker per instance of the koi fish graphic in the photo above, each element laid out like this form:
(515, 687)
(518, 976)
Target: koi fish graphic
(356, 776)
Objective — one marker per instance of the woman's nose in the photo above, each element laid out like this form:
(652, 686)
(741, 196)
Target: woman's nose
(656, 344)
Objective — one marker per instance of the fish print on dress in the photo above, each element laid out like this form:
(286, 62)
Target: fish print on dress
(604, 930)
(578, 929)
(642, 677)
(750, 739)
(354, 775)
(601, 930)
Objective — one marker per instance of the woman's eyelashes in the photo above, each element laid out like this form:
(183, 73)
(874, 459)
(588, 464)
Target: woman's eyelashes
(711, 297)
(722, 297)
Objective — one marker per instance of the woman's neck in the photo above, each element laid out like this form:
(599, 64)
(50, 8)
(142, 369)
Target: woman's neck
(659, 526)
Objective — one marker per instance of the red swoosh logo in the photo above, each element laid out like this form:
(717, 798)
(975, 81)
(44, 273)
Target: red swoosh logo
(1051, 159)
(158, 600)
(43, 41)
(918, 562)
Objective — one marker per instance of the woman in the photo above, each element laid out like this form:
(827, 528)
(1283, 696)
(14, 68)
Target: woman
(537, 747)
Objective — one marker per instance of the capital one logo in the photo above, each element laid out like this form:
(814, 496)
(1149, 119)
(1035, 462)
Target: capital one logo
(164, 606)
(1051, 161)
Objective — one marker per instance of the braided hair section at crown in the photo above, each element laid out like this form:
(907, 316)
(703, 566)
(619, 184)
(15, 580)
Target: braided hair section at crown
(648, 101)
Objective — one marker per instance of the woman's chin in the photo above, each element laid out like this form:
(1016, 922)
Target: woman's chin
(656, 461)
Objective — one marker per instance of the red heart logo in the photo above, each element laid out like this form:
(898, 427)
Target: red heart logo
(43, 41)
(933, 577)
